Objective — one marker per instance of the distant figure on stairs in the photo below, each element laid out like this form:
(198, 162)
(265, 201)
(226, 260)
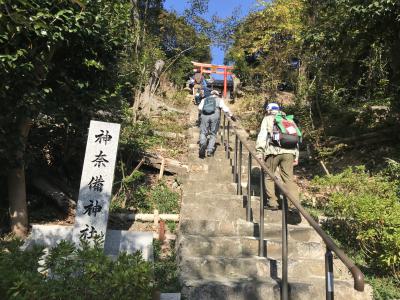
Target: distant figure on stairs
(199, 82)
(209, 109)
(275, 153)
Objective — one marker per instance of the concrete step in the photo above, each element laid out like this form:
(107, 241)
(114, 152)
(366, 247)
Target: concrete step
(213, 191)
(240, 227)
(218, 206)
(212, 176)
(192, 187)
(246, 288)
(202, 201)
(294, 217)
(202, 212)
(216, 200)
(257, 267)
(196, 245)
(221, 288)
(211, 266)
(314, 288)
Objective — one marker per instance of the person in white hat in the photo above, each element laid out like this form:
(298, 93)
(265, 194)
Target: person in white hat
(275, 156)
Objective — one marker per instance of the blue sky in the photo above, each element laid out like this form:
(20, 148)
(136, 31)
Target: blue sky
(222, 8)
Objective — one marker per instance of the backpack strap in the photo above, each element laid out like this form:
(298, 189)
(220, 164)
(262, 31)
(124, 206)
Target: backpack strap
(291, 118)
(278, 120)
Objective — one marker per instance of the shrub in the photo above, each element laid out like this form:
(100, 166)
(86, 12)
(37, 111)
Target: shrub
(164, 199)
(178, 98)
(369, 208)
(85, 273)
(385, 288)
(135, 136)
(165, 268)
(171, 226)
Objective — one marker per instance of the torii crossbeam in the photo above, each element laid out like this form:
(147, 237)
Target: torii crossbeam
(215, 69)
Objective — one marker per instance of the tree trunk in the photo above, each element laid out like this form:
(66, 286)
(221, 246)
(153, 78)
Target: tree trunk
(146, 100)
(17, 186)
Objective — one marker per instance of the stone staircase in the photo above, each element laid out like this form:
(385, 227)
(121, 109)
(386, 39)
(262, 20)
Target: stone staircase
(218, 249)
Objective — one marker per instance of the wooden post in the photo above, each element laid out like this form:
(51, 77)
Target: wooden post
(161, 230)
(156, 217)
(225, 82)
(160, 176)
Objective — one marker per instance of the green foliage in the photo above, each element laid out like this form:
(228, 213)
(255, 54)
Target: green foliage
(169, 122)
(392, 170)
(251, 111)
(180, 40)
(165, 268)
(178, 98)
(164, 199)
(135, 137)
(384, 288)
(354, 64)
(142, 197)
(265, 42)
(58, 62)
(369, 208)
(132, 193)
(171, 226)
(348, 54)
(85, 272)
(66, 62)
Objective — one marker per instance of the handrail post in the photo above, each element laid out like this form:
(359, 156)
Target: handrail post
(228, 154)
(223, 131)
(235, 160)
(285, 290)
(248, 204)
(239, 182)
(261, 251)
(329, 274)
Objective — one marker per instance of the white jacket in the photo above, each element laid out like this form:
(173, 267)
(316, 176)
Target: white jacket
(219, 104)
(264, 145)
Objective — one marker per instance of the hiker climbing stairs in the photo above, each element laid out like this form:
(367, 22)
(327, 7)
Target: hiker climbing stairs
(218, 250)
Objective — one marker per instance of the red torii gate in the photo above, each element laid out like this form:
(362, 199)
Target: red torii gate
(215, 69)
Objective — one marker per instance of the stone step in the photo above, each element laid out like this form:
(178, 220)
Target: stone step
(212, 176)
(192, 187)
(218, 288)
(221, 288)
(314, 288)
(202, 201)
(211, 266)
(202, 212)
(218, 155)
(217, 199)
(258, 267)
(240, 227)
(294, 217)
(196, 245)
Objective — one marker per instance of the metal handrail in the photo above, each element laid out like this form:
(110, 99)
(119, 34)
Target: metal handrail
(330, 244)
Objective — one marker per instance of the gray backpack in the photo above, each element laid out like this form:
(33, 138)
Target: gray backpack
(210, 104)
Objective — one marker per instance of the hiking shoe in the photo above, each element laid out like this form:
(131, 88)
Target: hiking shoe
(210, 154)
(202, 151)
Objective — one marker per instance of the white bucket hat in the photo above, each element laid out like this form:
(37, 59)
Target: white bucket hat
(272, 106)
